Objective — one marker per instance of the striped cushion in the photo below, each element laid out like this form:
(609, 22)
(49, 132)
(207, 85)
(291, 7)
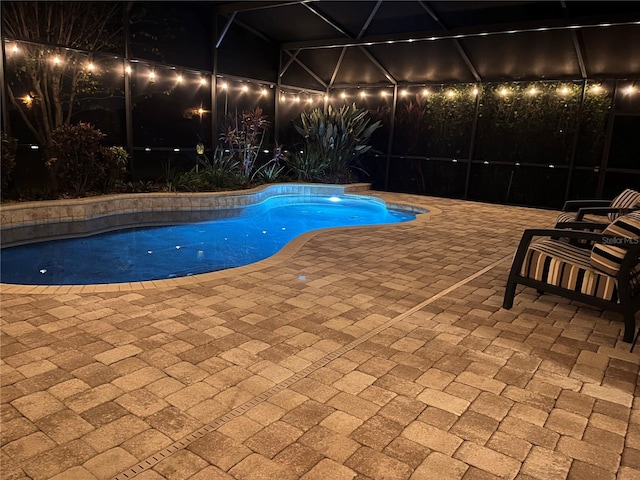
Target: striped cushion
(566, 217)
(627, 226)
(608, 257)
(558, 263)
(627, 199)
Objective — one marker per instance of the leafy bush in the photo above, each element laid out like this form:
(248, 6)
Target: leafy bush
(9, 145)
(79, 164)
(222, 171)
(308, 165)
(339, 137)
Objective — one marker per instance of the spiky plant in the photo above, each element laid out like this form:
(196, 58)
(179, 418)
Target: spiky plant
(338, 136)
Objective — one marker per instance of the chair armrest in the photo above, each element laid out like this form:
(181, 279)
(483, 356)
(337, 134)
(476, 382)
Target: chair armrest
(629, 263)
(586, 225)
(575, 205)
(529, 234)
(601, 211)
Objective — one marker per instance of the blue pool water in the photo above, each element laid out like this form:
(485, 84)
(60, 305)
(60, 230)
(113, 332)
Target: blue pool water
(246, 235)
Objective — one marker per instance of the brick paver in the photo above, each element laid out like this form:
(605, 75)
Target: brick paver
(450, 386)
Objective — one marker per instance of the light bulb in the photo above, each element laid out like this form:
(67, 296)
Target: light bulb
(564, 91)
(383, 93)
(451, 93)
(263, 91)
(425, 92)
(200, 111)
(91, 67)
(532, 91)
(245, 88)
(224, 85)
(504, 92)
(363, 94)
(56, 60)
(629, 90)
(127, 69)
(14, 49)
(403, 93)
(475, 91)
(343, 95)
(179, 79)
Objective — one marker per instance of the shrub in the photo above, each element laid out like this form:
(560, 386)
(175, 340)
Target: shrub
(339, 137)
(79, 164)
(9, 145)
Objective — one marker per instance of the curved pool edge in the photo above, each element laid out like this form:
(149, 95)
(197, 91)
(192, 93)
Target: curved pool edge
(287, 251)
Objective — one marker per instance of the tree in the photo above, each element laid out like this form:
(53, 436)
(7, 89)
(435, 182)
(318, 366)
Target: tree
(52, 73)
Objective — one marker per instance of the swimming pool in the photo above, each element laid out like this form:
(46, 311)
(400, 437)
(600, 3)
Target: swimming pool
(214, 240)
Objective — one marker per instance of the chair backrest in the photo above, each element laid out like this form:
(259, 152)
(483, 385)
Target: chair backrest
(627, 199)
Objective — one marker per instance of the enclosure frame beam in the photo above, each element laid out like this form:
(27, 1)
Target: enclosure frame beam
(607, 142)
(606, 21)
(456, 43)
(5, 125)
(576, 136)
(128, 104)
(472, 141)
(392, 128)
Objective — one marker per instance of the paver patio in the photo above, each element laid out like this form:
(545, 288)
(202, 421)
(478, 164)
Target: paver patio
(370, 353)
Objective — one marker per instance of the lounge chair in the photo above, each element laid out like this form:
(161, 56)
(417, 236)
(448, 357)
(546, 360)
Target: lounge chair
(606, 275)
(599, 210)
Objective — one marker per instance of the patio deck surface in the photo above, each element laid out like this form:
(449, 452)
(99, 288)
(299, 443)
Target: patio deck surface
(372, 353)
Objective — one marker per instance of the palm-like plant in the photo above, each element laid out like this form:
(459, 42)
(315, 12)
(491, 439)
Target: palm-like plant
(338, 136)
(244, 137)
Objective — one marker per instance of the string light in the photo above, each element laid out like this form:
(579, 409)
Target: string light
(451, 93)
(297, 99)
(127, 69)
(245, 88)
(629, 90)
(383, 93)
(203, 81)
(91, 67)
(503, 92)
(426, 92)
(179, 79)
(200, 111)
(403, 93)
(475, 91)
(596, 88)
(564, 91)
(343, 95)
(363, 94)
(263, 92)
(15, 48)
(27, 100)
(56, 60)
(152, 76)
(310, 100)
